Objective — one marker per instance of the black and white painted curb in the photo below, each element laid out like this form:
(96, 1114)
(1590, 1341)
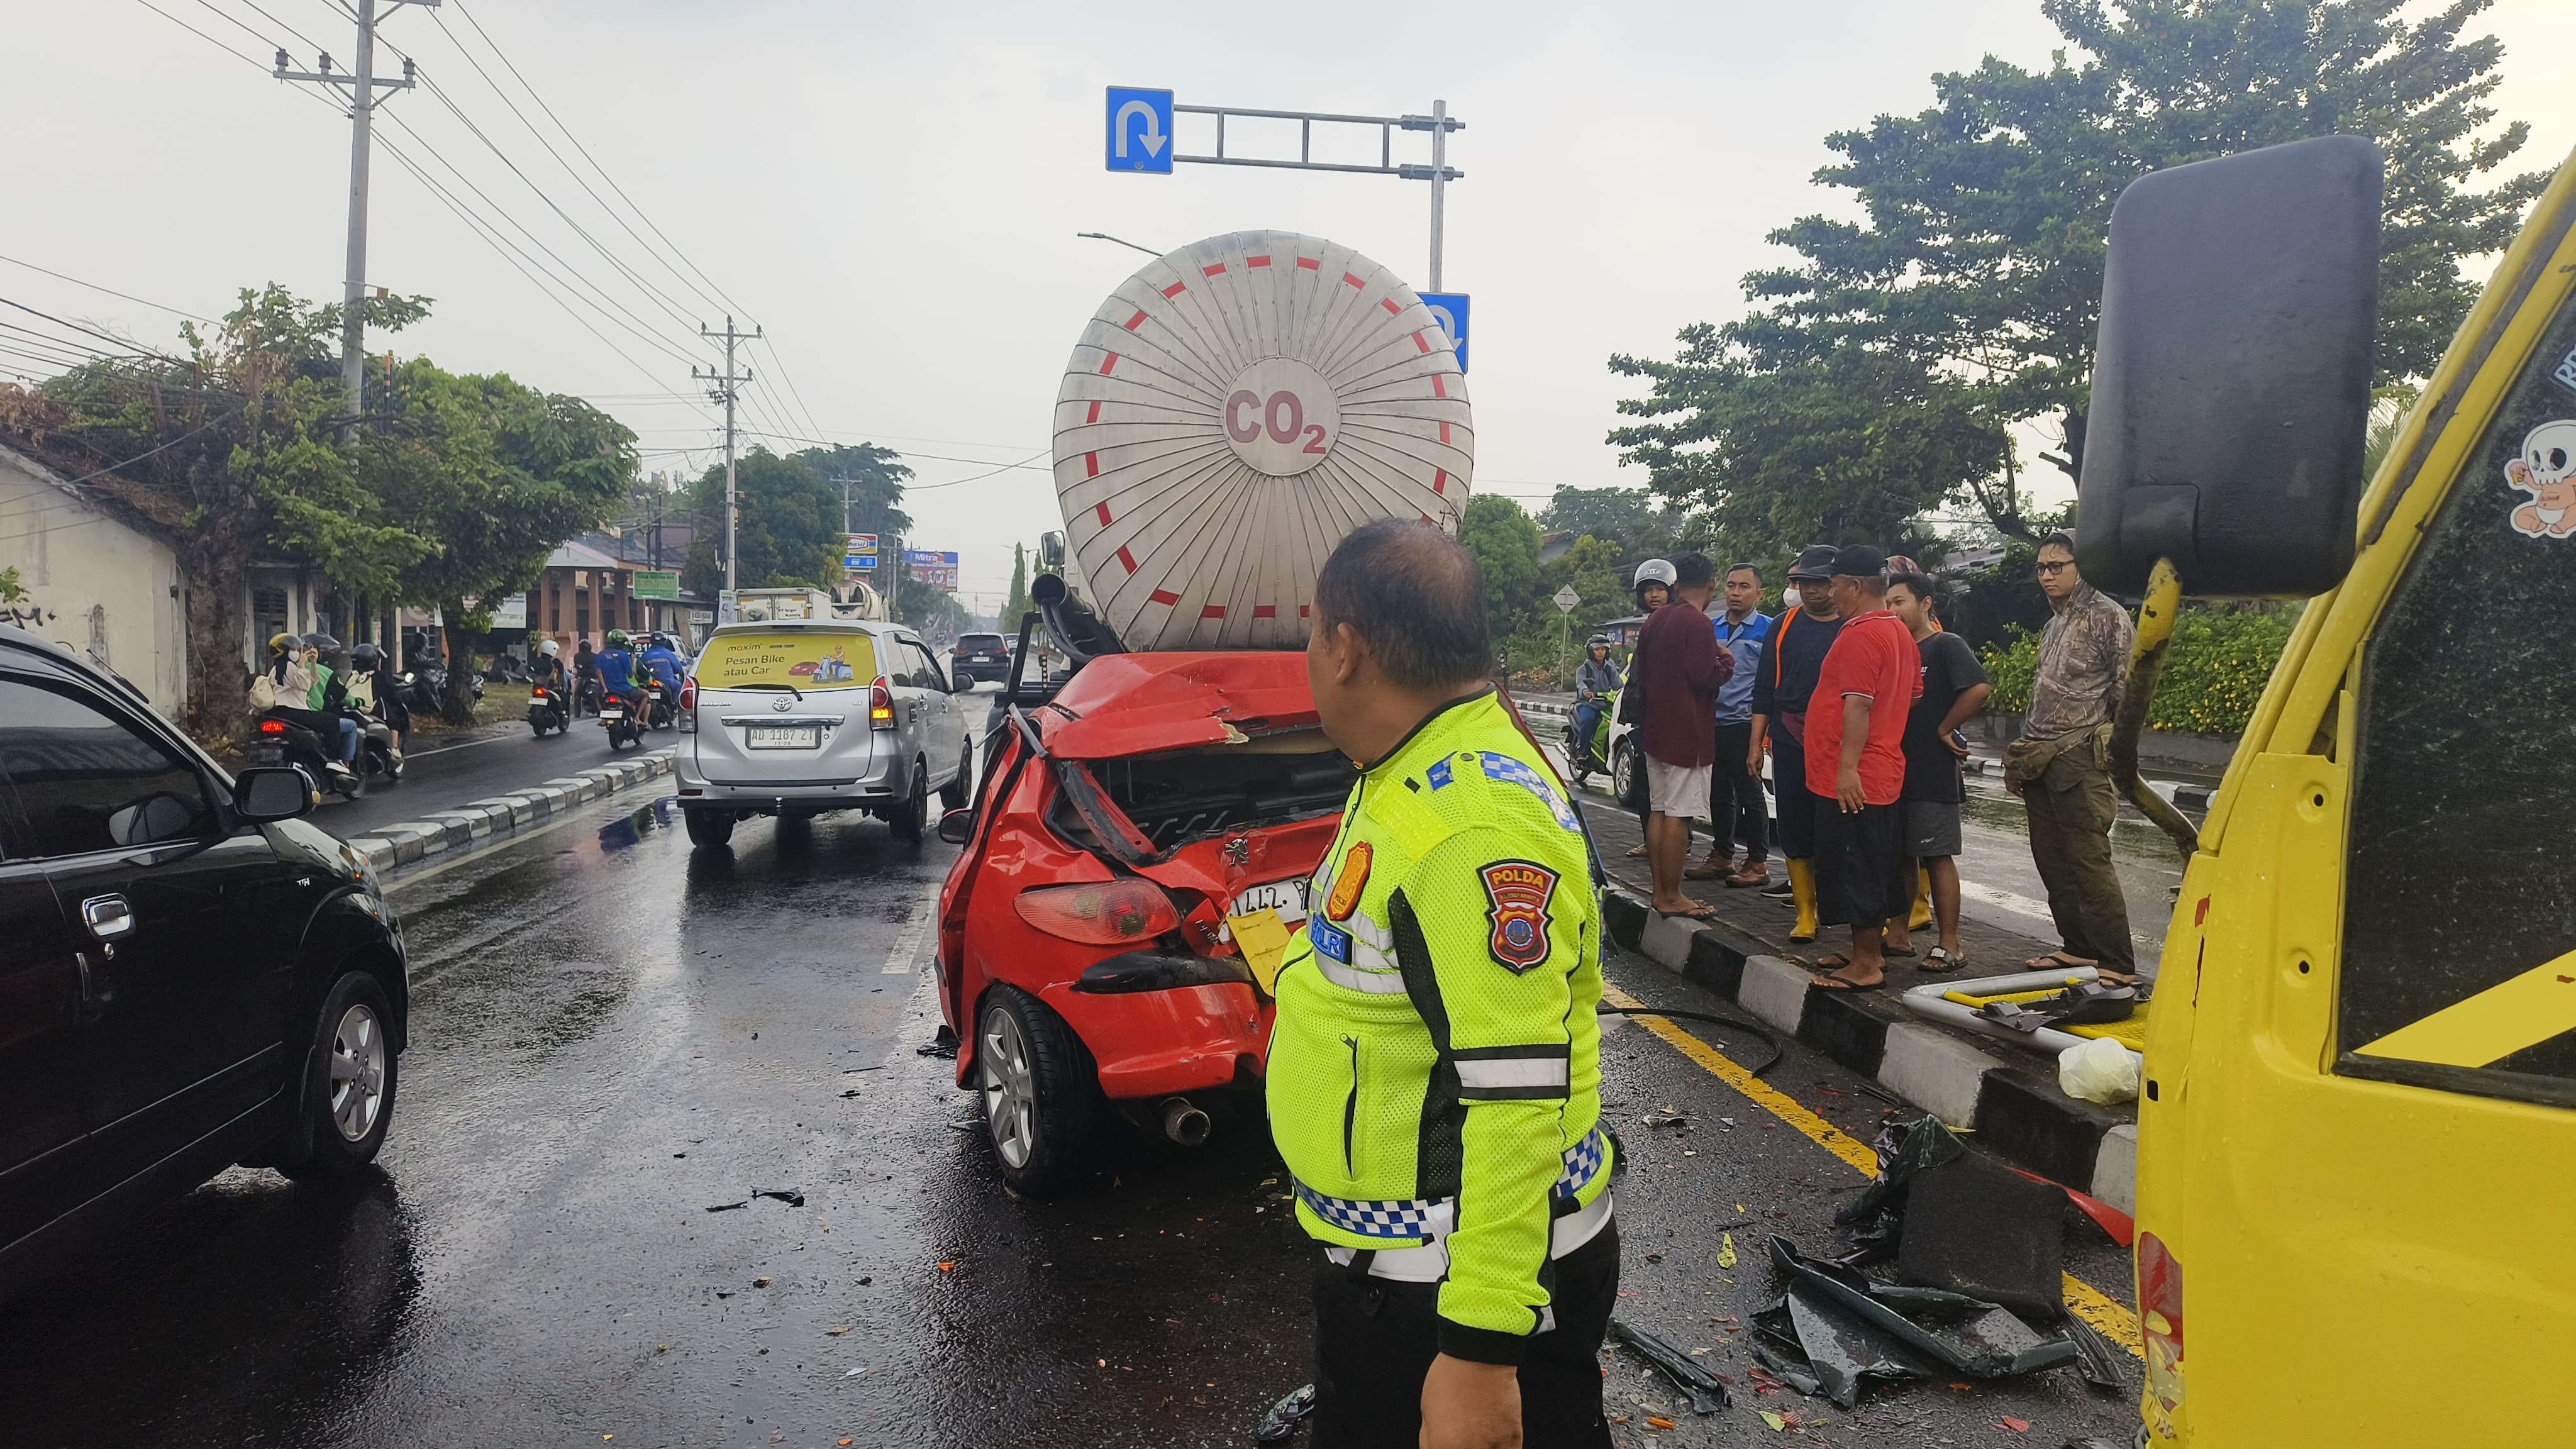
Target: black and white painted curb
(2015, 1111)
(410, 841)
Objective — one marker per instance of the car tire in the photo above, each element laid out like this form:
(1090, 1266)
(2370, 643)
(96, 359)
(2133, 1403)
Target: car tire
(1040, 1093)
(953, 795)
(349, 1078)
(911, 819)
(1628, 776)
(707, 827)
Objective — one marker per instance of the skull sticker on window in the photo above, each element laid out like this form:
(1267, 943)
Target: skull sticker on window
(2546, 469)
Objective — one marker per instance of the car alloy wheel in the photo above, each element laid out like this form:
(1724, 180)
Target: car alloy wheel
(1010, 1088)
(357, 1071)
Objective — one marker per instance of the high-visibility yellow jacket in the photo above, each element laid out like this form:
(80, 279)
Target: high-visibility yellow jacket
(1435, 1068)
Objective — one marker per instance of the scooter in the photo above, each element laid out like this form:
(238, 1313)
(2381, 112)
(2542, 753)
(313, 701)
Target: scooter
(1579, 758)
(377, 754)
(623, 729)
(548, 710)
(658, 713)
(587, 695)
(280, 741)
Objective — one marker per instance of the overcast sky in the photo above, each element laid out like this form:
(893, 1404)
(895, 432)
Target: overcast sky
(893, 190)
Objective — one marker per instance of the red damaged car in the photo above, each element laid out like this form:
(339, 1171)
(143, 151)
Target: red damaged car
(1085, 964)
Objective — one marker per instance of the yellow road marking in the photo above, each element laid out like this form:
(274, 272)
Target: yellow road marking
(2084, 1300)
(2492, 1025)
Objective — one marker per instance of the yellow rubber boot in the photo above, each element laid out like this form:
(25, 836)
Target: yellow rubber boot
(1802, 889)
(1921, 918)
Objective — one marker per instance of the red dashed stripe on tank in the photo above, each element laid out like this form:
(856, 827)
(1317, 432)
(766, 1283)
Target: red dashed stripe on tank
(1107, 363)
(1175, 289)
(1164, 597)
(1102, 509)
(1309, 264)
(1213, 611)
(1136, 321)
(1127, 558)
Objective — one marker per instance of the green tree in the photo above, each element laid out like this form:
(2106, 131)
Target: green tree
(790, 530)
(1017, 605)
(1628, 519)
(1885, 367)
(875, 477)
(1504, 542)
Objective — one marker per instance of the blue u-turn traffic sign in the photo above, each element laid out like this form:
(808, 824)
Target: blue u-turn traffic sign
(1140, 130)
(1450, 308)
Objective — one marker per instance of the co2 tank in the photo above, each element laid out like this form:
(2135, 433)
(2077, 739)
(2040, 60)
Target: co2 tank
(1231, 412)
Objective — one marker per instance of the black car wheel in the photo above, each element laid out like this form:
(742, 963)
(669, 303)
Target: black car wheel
(707, 827)
(1628, 776)
(349, 1078)
(911, 819)
(953, 795)
(1040, 1093)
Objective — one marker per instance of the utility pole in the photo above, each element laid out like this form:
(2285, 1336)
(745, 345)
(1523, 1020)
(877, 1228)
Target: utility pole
(360, 85)
(726, 388)
(1439, 180)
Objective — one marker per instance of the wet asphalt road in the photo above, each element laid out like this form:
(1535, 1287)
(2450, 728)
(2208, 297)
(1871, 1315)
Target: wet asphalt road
(443, 771)
(612, 1035)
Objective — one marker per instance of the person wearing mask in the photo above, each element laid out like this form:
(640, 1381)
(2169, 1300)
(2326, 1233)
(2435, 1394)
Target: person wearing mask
(585, 668)
(1681, 669)
(616, 666)
(1435, 1068)
(2061, 767)
(1737, 811)
(1782, 689)
(1954, 689)
(1653, 587)
(1596, 683)
(1856, 766)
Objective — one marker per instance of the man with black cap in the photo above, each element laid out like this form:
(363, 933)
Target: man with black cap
(1856, 762)
(1785, 681)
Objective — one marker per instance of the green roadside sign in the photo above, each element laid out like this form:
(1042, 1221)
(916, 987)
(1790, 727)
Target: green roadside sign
(657, 584)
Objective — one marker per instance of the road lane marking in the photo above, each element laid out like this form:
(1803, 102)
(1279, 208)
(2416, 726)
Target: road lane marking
(2085, 1301)
(907, 947)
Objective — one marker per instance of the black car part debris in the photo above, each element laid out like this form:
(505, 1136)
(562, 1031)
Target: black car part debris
(1877, 1218)
(1847, 1326)
(1707, 1394)
(2086, 1003)
(1284, 1417)
(1958, 1221)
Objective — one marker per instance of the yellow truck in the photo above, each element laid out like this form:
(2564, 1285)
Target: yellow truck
(2357, 1131)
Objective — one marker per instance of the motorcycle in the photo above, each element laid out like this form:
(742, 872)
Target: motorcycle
(1580, 759)
(623, 729)
(548, 710)
(658, 713)
(280, 741)
(588, 695)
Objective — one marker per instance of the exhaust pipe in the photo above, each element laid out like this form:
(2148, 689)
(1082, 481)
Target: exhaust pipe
(1184, 1123)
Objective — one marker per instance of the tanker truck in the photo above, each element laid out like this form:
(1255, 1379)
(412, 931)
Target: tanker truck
(1137, 851)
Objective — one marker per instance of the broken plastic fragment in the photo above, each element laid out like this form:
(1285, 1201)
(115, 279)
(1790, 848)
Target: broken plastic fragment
(1652, 1422)
(1281, 1422)
(1726, 1250)
(1776, 1421)
(2018, 1426)
(1706, 1394)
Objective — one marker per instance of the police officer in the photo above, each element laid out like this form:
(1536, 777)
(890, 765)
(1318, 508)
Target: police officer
(1434, 1075)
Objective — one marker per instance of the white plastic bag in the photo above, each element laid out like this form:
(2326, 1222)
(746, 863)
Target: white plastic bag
(2100, 1070)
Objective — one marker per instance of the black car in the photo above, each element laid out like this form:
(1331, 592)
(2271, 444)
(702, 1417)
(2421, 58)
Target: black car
(979, 656)
(190, 977)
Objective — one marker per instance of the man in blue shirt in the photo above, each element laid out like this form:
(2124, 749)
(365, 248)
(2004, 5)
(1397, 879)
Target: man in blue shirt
(1737, 811)
(617, 675)
(659, 661)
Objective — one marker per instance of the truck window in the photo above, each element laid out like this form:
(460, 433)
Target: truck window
(2459, 942)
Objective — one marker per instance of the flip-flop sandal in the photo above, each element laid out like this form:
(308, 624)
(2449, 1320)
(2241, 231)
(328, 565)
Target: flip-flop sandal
(2058, 961)
(1702, 913)
(1900, 951)
(1830, 961)
(1837, 983)
(1637, 853)
(1939, 960)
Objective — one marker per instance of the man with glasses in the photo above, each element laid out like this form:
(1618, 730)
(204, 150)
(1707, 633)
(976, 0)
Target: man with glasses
(2061, 767)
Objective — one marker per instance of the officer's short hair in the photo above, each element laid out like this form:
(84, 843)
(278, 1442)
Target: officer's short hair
(1414, 594)
(1692, 571)
(1744, 568)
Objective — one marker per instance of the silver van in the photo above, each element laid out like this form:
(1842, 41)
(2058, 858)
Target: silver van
(795, 717)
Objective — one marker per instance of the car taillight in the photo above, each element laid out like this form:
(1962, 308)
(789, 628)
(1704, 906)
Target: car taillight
(688, 694)
(1108, 913)
(880, 705)
(2160, 1322)
(272, 727)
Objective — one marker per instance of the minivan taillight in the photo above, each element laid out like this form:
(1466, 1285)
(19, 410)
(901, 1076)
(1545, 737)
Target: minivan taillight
(880, 705)
(1105, 913)
(689, 703)
(2160, 1323)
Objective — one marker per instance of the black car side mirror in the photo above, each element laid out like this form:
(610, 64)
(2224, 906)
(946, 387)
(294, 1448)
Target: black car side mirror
(2231, 376)
(957, 826)
(271, 792)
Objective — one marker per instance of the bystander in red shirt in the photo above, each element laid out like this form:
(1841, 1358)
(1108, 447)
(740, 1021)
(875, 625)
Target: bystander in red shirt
(1873, 655)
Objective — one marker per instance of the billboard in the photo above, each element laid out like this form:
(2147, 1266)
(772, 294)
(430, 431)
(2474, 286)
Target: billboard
(656, 584)
(932, 567)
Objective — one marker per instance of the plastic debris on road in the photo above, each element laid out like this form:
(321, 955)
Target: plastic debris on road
(1836, 1327)
(2099, 1070)
(1955, 1220)
(1284, 1417)
(1707, 1395)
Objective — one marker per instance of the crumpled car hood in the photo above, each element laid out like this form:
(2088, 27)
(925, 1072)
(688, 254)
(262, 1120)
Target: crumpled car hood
(1138, 704)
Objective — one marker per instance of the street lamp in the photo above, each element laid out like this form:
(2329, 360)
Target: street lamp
(1122, 241)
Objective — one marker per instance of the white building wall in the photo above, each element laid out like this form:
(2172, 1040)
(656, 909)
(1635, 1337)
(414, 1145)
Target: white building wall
(94, 586)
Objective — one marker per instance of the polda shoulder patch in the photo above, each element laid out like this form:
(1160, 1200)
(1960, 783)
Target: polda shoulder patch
(1517, 895)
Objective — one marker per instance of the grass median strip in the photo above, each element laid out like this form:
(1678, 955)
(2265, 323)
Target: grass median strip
(2085, 1301)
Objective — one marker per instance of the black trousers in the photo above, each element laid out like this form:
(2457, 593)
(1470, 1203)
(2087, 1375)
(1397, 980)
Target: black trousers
(1789, 780)
(1861, 878)
(1738, 812)
(1374, 1342)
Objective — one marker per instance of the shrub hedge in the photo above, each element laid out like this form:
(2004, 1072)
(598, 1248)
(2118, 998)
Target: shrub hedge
(2215, 669)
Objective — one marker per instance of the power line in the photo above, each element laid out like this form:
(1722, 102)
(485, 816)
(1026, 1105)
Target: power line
(201, 35)
(110, 291)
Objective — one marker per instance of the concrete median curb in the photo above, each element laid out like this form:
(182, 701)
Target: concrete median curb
(2014, 1107)
(390, 847)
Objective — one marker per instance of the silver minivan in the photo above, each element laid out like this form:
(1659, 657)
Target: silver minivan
(795, 717)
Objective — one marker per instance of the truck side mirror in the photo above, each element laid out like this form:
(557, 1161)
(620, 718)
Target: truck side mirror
(2231, 376)
(1051, 549)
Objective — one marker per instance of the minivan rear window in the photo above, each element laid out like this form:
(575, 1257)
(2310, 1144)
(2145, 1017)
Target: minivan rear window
(806, 659)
